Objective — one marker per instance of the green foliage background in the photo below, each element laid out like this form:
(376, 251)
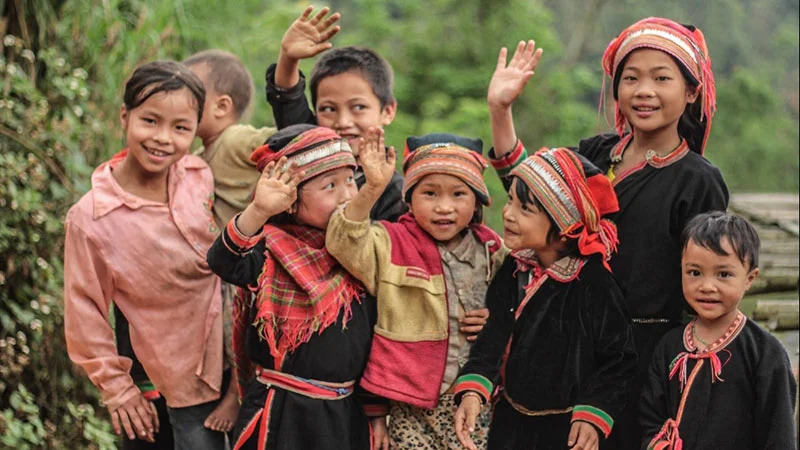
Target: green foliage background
(64, 63)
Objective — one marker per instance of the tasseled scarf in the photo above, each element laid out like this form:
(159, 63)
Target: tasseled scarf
(301, 291)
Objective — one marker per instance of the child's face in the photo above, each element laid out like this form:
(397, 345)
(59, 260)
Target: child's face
(160, 130)
(524, 226)
(652, 92)
(714, 284)
(321, 195)
(443, 205)
(347, 104)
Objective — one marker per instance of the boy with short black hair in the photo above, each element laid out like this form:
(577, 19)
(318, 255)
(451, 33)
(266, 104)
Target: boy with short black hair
(722, 381)
(351, 91)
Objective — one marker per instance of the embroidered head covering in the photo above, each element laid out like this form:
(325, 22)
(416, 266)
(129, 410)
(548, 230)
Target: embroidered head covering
(447, 154)
(576, 195)
(313, 149)
(687, 45)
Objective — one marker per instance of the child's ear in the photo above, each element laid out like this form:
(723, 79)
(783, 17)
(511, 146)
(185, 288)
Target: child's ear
(750, 278)
(123, 117)
(692, 93)
(223, 106)
(388, 112)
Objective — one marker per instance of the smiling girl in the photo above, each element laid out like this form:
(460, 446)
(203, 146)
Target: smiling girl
(139, 239)
(664, 95)
(429, 271)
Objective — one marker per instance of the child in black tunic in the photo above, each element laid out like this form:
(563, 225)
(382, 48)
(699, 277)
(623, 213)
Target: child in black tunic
(722, 381)
(556, 334)
(303, 340)
(664, 99)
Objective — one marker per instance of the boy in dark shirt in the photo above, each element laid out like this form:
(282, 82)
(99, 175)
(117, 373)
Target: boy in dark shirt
(722, 381)
(351, 91)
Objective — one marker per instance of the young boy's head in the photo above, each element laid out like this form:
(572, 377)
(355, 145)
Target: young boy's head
(229, 89)
(351, 89)
(719, 263)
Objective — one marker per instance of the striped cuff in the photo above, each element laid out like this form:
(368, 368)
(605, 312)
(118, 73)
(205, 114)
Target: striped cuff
(594, 416)
(149, 391)
(236, 241)
(512, 159)
(475, 383)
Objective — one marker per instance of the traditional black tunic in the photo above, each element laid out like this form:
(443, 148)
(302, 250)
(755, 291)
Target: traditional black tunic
(751, 408)
(655, 205)
(336, 355)
(571, 351)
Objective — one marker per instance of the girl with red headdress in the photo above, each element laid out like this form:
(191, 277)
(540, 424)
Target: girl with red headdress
(664, 99)
(557, 335)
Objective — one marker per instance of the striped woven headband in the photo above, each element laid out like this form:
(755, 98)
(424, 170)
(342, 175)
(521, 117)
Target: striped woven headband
(688, 49)
(448, 159)
(545, 177)
(315, 151)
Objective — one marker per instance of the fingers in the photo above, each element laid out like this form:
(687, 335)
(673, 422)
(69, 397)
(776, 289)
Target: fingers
(306, 12)
(328, 34)
(330, 21)
(391, 156)
(501, 59)
(322, 12)
(115, 422)
(573, 434)
(140, 417)
(482, 313)
(126, 423)
(154, 415)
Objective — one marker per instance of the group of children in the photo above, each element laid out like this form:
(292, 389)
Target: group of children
(350, 293)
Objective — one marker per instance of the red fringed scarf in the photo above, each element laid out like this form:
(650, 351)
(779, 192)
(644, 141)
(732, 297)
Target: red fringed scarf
(300, 291)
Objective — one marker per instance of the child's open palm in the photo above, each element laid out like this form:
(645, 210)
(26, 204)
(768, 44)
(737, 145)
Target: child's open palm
(308, 36)
(509, 80)
(276, 190)
(376, 161)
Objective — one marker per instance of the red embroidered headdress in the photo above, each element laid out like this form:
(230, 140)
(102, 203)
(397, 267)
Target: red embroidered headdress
(447, 154)
(315, 150)
(685, 43)
(576, 195)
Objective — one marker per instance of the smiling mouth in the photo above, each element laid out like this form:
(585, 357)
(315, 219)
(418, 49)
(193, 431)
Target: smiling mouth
(153, 152)
(645, 108)
(708, 301)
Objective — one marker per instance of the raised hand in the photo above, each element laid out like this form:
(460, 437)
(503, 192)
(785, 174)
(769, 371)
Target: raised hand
(276, 190)
(308, 36)
(509, 80)
(377, 162)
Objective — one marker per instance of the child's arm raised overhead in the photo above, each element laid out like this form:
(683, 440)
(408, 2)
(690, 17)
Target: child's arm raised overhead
(358, 246)
(506, 85)
(305, 38)
(378, 165)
